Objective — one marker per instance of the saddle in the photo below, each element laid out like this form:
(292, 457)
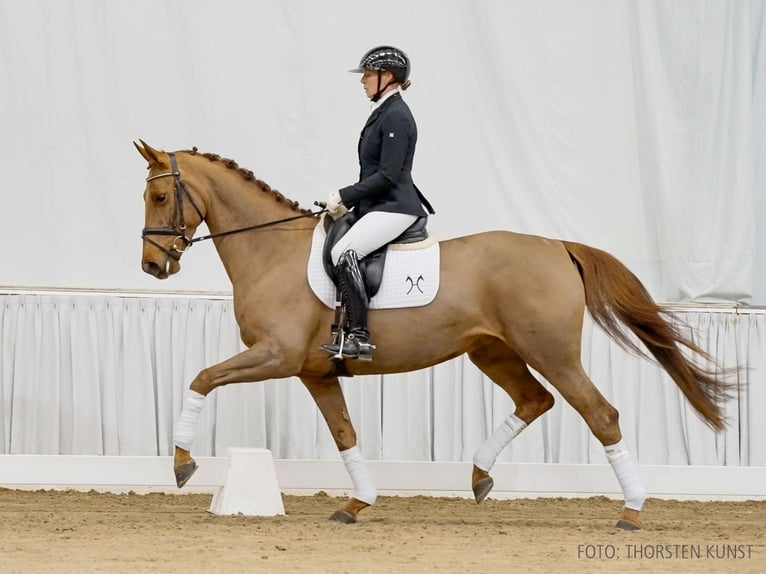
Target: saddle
(372, 265)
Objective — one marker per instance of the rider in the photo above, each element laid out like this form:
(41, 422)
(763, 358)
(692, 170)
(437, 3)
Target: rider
(385, 199)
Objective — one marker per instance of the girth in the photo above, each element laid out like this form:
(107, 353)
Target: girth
(372, 265)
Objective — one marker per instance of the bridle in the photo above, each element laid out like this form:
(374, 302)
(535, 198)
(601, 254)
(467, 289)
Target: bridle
(181, 241)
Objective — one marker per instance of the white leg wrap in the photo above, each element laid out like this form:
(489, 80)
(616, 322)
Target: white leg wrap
(187, 422)
(488, 452)
(622, 463)
(364, 489)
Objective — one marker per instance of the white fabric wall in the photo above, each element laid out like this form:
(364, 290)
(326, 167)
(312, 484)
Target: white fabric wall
(623, 124)
(89, 374)
(633, 126)
(758, 35)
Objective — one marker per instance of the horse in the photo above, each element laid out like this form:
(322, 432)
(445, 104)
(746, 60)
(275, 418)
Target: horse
(513, 302)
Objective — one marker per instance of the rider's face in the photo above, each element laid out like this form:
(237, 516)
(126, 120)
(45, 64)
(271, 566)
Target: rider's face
(370, 81)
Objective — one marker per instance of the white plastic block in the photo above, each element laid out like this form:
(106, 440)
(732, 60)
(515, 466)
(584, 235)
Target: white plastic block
(250, 487)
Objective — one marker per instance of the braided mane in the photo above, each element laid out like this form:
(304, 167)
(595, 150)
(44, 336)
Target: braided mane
(250, 176)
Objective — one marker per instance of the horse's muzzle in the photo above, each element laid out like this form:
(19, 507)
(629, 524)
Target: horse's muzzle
(156, 270)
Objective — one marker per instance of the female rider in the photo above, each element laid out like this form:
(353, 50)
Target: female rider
(385, 199)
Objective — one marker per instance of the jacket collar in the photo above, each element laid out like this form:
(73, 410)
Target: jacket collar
(394, 95)
(386, 96)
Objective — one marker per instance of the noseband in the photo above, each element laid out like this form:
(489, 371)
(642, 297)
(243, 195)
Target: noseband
(181, 242)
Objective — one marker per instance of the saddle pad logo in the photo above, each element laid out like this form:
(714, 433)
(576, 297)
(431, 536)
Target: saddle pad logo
(414, 284)
(410, 277)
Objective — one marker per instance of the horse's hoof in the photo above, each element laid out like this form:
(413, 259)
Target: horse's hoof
(482, 488)
(628, 525)
(343, 517)
(629, 520)
(185, 472)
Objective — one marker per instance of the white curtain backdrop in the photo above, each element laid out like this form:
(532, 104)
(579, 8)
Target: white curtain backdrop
(758, 35)
(90, 374)
(636, 126)
(620, 123)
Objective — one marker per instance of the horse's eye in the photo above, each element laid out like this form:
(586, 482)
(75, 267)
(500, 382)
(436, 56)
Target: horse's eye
(160, 198)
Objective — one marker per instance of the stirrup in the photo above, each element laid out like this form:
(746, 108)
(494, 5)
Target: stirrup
(349, 347)
(338, 340)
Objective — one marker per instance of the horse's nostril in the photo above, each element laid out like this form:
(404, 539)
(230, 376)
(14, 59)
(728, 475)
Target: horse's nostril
(151, 268)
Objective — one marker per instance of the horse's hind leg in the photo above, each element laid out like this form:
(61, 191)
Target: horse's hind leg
(329, 398)
(507, 370)
(603, 420)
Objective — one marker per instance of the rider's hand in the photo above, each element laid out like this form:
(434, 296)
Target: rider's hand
(335, 205)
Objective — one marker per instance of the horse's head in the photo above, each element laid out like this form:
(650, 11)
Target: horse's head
(171, 213)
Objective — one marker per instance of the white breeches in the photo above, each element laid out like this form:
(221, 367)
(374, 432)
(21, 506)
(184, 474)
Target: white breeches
(372, 231)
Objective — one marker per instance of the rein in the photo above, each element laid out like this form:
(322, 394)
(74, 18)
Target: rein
(182, 242)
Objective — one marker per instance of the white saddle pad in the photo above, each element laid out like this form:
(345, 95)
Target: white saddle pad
(410, 277)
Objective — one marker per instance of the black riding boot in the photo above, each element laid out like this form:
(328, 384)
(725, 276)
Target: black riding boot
(354, 343)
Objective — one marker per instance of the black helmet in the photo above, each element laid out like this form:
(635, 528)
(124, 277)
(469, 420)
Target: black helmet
(386, 58)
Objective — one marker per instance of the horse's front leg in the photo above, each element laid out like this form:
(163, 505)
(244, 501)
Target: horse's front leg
(258, 363)
(329, 398)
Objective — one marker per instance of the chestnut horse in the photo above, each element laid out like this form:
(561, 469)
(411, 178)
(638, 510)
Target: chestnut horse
(511, 301)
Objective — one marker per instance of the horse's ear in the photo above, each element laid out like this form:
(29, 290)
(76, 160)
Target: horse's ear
(150, 154)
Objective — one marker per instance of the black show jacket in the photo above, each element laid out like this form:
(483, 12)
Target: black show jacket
(386, 148)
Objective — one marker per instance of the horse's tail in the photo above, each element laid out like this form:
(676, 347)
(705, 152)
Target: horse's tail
(615, 297)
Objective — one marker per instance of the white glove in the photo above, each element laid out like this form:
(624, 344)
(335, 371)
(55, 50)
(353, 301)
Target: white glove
(335, 205)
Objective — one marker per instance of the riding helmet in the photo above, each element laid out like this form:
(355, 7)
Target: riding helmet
(386, 58)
